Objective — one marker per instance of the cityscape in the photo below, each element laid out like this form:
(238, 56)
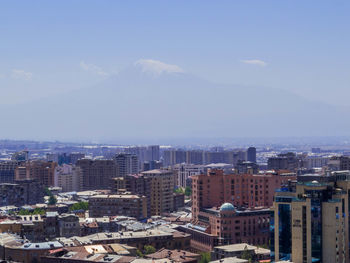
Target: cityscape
(174, 131)
(67, 202)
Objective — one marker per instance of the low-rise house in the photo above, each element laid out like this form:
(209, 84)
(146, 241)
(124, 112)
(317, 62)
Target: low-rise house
(68, 225)
(92, 253)
(175, 255)
(237, 250)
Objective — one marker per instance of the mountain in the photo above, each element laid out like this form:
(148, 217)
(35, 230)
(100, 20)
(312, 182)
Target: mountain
(138, 104)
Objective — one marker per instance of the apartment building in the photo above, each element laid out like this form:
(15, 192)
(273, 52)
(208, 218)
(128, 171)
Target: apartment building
(311, 221)
(113, 205)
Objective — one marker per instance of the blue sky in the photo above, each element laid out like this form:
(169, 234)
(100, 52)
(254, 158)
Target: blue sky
(50, 47)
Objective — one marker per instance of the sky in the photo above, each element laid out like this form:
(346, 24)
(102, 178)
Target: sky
(53, 47)
(48, 47)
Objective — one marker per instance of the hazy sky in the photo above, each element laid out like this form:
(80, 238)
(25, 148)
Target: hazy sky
(47, 47)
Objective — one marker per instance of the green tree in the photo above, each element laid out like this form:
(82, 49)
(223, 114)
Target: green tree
(80, 206)
(36, 211)
(139, 254)
(179, 190)
(149, 249)
(47, 191)
(205, 257)
(247, 255)
(52, 200)
(188, 191)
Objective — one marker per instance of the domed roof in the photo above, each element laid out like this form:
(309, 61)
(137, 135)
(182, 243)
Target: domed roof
(227, 207)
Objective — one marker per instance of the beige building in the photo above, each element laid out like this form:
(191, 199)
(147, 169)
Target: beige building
(69, 178)
(161, 191)
(39, 170)
(311, 221)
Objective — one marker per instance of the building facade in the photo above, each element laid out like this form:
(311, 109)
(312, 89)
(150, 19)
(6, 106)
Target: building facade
(311, 221)
(161, 191)
(97, 174)
(242, 190)
(24, 192)
(113, 205)
(126, 164)
(69, 178)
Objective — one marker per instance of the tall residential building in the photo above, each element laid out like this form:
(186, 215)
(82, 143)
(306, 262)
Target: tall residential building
(145, 153)
(64, 158)
(126, 164)
(310, 162)
(251, 154)
(162, 188)
(151, 165)
(195, 157)
(311, 221)
(242, 190)
(42, 171)
(285, 161)
(69, 178)
(7, 171)
(97, 174)
(184, 171)
(153, 153)
(172, 157)
(135, 184)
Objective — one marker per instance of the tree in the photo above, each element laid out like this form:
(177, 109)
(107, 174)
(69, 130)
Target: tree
(36, 211)
(79, 206)
(205, 257)
(188, 191)
(149, 249)
(247, 255)
(47, 191)
(139, 254)
(52, 200)
(179, 190)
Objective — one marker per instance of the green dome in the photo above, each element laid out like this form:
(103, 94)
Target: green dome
(227, 207)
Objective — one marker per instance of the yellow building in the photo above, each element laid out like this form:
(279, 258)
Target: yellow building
(311, 220)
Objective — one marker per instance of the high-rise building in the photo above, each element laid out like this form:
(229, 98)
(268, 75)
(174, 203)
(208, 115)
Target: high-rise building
(242, 190)
(97, 174)
(311, 221)
(251, 154)
(69, 178)
(162, 188)
(172, 157)
(151, 165)
(195, 157)
(156, 185)
(42, 171)
(64, 158)
(7, 171)
(153, 153)
(135, 184)
(184, 171)
(286, 161)
(126, 164)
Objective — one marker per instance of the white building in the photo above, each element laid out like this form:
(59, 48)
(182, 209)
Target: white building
(184, 171)
(316, 161)
(68, 177)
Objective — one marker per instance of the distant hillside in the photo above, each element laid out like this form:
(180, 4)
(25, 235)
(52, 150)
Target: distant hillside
(135, 104)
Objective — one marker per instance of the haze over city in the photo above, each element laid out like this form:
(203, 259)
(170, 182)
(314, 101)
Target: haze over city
(174, 131)
(122, 71)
